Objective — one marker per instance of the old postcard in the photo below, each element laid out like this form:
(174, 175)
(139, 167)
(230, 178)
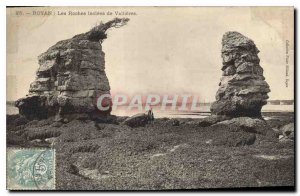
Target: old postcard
(150, 98)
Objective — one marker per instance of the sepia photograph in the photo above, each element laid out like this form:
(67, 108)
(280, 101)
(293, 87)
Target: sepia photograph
(150, 98)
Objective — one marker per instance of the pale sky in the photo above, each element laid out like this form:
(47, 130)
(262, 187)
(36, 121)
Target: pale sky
(163, 50)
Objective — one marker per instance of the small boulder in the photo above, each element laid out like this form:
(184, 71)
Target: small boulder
(137, 120)
(247, 124)
(288, 131)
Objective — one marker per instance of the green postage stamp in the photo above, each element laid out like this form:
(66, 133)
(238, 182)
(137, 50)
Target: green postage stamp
(30, 169)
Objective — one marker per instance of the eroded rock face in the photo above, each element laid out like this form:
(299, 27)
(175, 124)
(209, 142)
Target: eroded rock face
(71, 76)
(243, 89)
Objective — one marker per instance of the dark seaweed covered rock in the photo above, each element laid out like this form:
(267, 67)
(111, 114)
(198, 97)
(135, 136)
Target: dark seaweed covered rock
(101, 156)
(250, 125)
(243, 131)
(137, 120)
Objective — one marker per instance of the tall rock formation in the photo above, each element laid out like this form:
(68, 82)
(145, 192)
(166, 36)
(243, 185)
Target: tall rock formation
(243, 89)
(71, 76)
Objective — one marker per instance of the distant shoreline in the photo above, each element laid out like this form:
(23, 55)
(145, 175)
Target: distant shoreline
(12, 110)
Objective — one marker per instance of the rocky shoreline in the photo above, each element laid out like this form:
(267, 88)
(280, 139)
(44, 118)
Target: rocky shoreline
(163, 154)
(234, 147)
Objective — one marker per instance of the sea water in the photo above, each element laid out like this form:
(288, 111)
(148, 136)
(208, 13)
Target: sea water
(203, 111)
